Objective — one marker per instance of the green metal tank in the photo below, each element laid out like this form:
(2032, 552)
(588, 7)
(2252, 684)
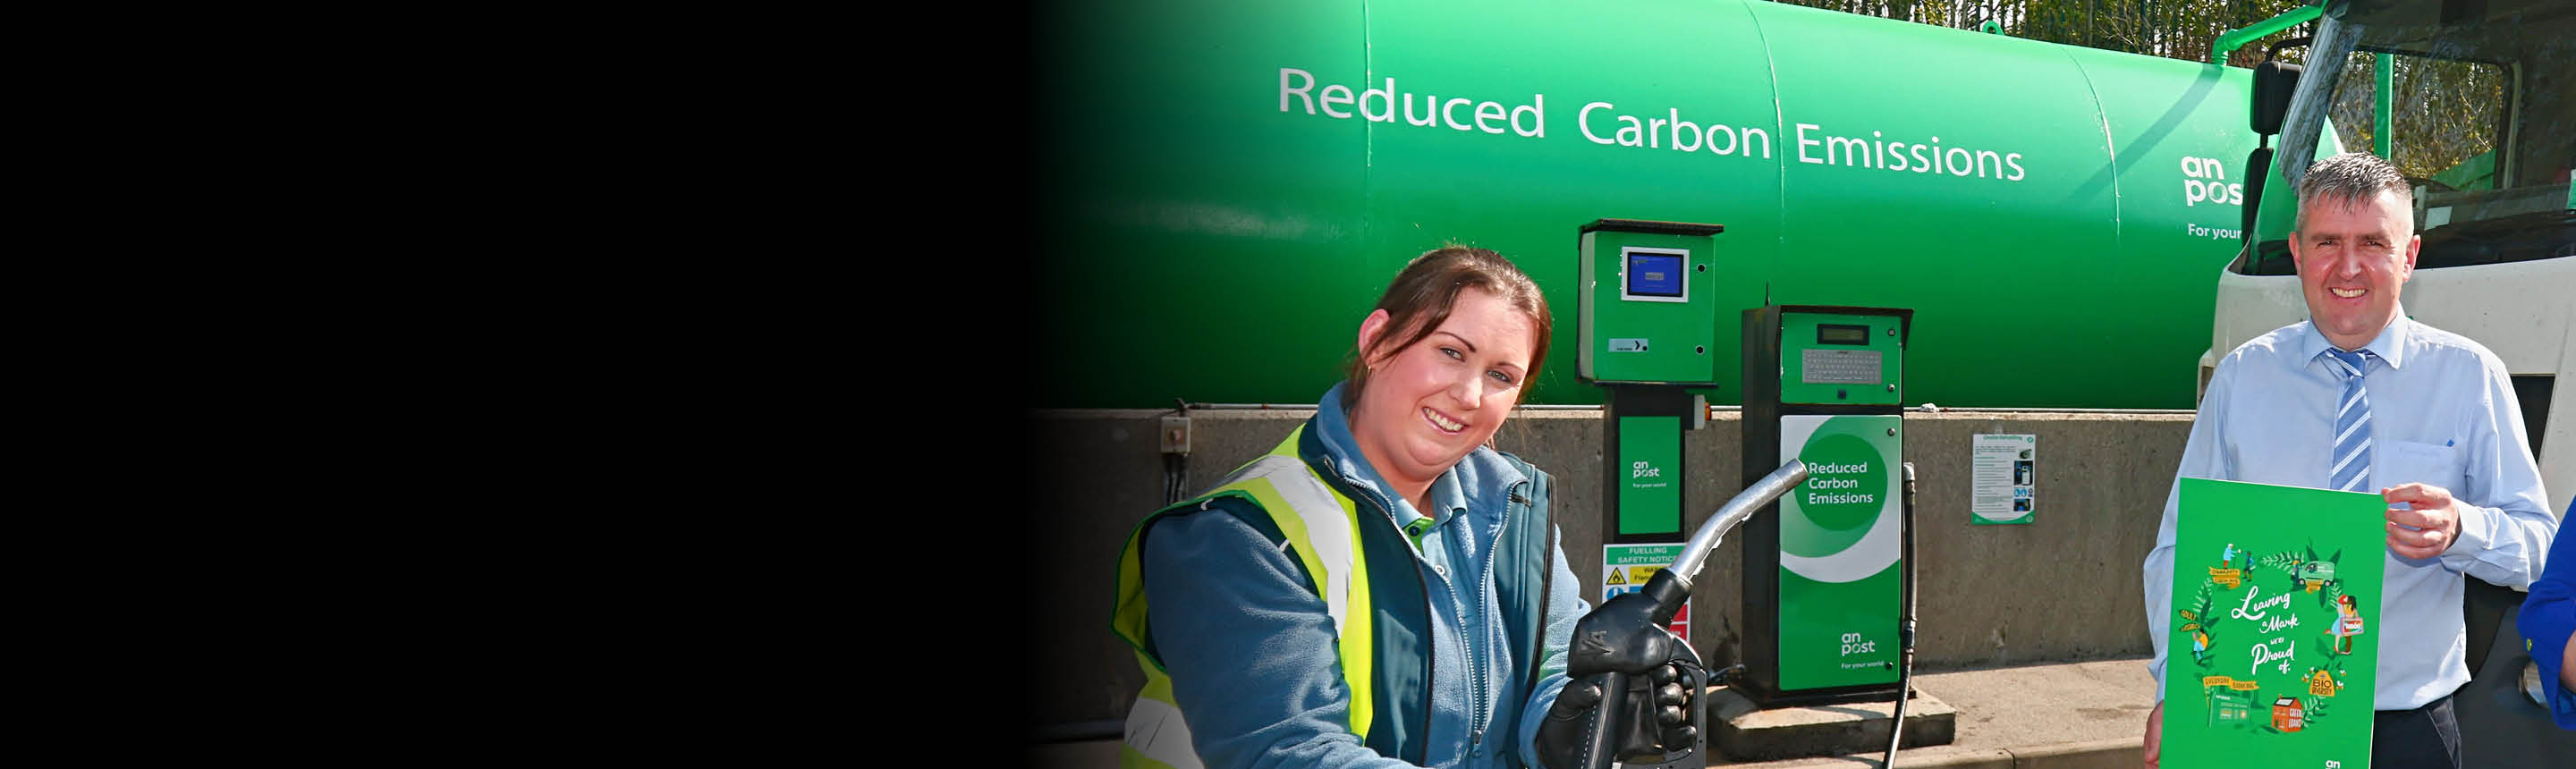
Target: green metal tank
(1227, 186)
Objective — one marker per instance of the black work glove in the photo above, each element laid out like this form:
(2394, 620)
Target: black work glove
(1671, 704)
(1560, 737)
(1622, 635)
(1655, 722)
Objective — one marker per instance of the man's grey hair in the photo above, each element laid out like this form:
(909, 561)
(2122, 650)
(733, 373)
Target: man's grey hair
(2351, 179)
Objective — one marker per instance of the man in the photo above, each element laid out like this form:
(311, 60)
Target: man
(2361, 398)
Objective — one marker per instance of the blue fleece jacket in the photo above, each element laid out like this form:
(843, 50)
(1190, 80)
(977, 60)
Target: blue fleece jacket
(1250, 648)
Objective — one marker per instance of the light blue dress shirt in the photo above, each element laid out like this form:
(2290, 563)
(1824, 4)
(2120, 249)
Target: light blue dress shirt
(2443, 413)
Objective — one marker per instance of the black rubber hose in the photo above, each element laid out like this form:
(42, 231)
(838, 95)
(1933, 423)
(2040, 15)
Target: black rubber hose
(1904, 629)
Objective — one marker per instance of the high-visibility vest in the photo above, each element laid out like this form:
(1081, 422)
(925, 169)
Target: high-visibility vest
(1381, 626)
(1321, 527)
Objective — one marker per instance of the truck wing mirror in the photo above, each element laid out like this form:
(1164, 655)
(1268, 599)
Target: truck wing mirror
(2273, 81)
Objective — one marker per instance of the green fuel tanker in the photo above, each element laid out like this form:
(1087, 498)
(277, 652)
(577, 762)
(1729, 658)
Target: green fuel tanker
(1226, 186)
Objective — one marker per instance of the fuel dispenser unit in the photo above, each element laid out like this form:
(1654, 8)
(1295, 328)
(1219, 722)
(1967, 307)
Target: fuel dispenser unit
(1825, 579)
(1649, 328)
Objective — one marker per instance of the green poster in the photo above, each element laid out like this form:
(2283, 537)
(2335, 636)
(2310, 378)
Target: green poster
(1650, 448)
(2274, 628)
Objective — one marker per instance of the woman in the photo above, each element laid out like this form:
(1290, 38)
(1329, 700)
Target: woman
(1383, 588)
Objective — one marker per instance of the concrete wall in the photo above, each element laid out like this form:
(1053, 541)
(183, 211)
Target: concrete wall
(2063, 588)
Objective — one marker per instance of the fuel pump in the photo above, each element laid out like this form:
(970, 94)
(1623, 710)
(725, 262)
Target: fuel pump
(1649, 330)
(1649, 319)
(1648, 326)
(1825, 579)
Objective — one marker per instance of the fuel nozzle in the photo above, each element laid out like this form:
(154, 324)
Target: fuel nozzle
(1628, 633)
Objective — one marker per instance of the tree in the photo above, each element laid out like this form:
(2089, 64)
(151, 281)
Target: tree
(2445, 111)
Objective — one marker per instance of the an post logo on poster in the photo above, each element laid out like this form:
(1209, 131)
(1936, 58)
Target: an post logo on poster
(2273, 637)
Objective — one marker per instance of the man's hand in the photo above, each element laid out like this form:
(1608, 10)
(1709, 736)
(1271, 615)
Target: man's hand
(2155, 734)
(2434, 521)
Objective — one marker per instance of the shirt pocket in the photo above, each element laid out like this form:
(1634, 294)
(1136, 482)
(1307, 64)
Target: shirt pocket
(2409, 462)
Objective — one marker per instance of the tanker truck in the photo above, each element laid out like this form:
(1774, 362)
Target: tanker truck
(1227, 186)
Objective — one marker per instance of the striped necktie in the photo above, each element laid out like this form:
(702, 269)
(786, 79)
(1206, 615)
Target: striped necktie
(2352, 421)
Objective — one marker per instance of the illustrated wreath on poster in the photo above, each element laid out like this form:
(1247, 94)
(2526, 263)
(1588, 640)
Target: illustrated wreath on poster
(2235, 568)
(2242, 703)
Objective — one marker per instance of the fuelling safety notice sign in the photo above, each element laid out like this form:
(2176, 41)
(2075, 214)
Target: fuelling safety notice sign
(2001, 478)
(1625, 569)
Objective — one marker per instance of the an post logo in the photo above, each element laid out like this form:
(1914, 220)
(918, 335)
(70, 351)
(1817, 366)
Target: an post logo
(1852, 644)
(1641, 470)
(2205, 181)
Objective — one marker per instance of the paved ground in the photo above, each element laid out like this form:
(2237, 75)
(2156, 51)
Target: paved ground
(2080, 714)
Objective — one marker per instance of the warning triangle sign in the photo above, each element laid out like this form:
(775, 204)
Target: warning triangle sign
(1616, 578)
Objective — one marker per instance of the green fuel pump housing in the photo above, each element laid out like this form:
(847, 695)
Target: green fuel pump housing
(1649, 306)
(1824, 574)
(1648, 329)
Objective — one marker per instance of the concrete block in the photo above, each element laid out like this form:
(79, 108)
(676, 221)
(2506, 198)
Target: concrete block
(1743, 732)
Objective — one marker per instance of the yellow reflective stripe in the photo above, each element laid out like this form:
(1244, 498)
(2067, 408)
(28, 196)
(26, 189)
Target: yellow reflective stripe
(1127, 616)
(1353, 626)
(1324, 531)
(1358, 644)
(1331, 578)
(1156, 735)
(1322, 526)
(1288, 448)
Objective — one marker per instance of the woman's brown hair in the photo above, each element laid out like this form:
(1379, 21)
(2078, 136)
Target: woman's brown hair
(1422, 294)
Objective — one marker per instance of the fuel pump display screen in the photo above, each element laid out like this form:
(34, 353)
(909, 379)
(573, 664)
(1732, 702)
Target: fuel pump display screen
(1829, 333)
(1654, 275)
